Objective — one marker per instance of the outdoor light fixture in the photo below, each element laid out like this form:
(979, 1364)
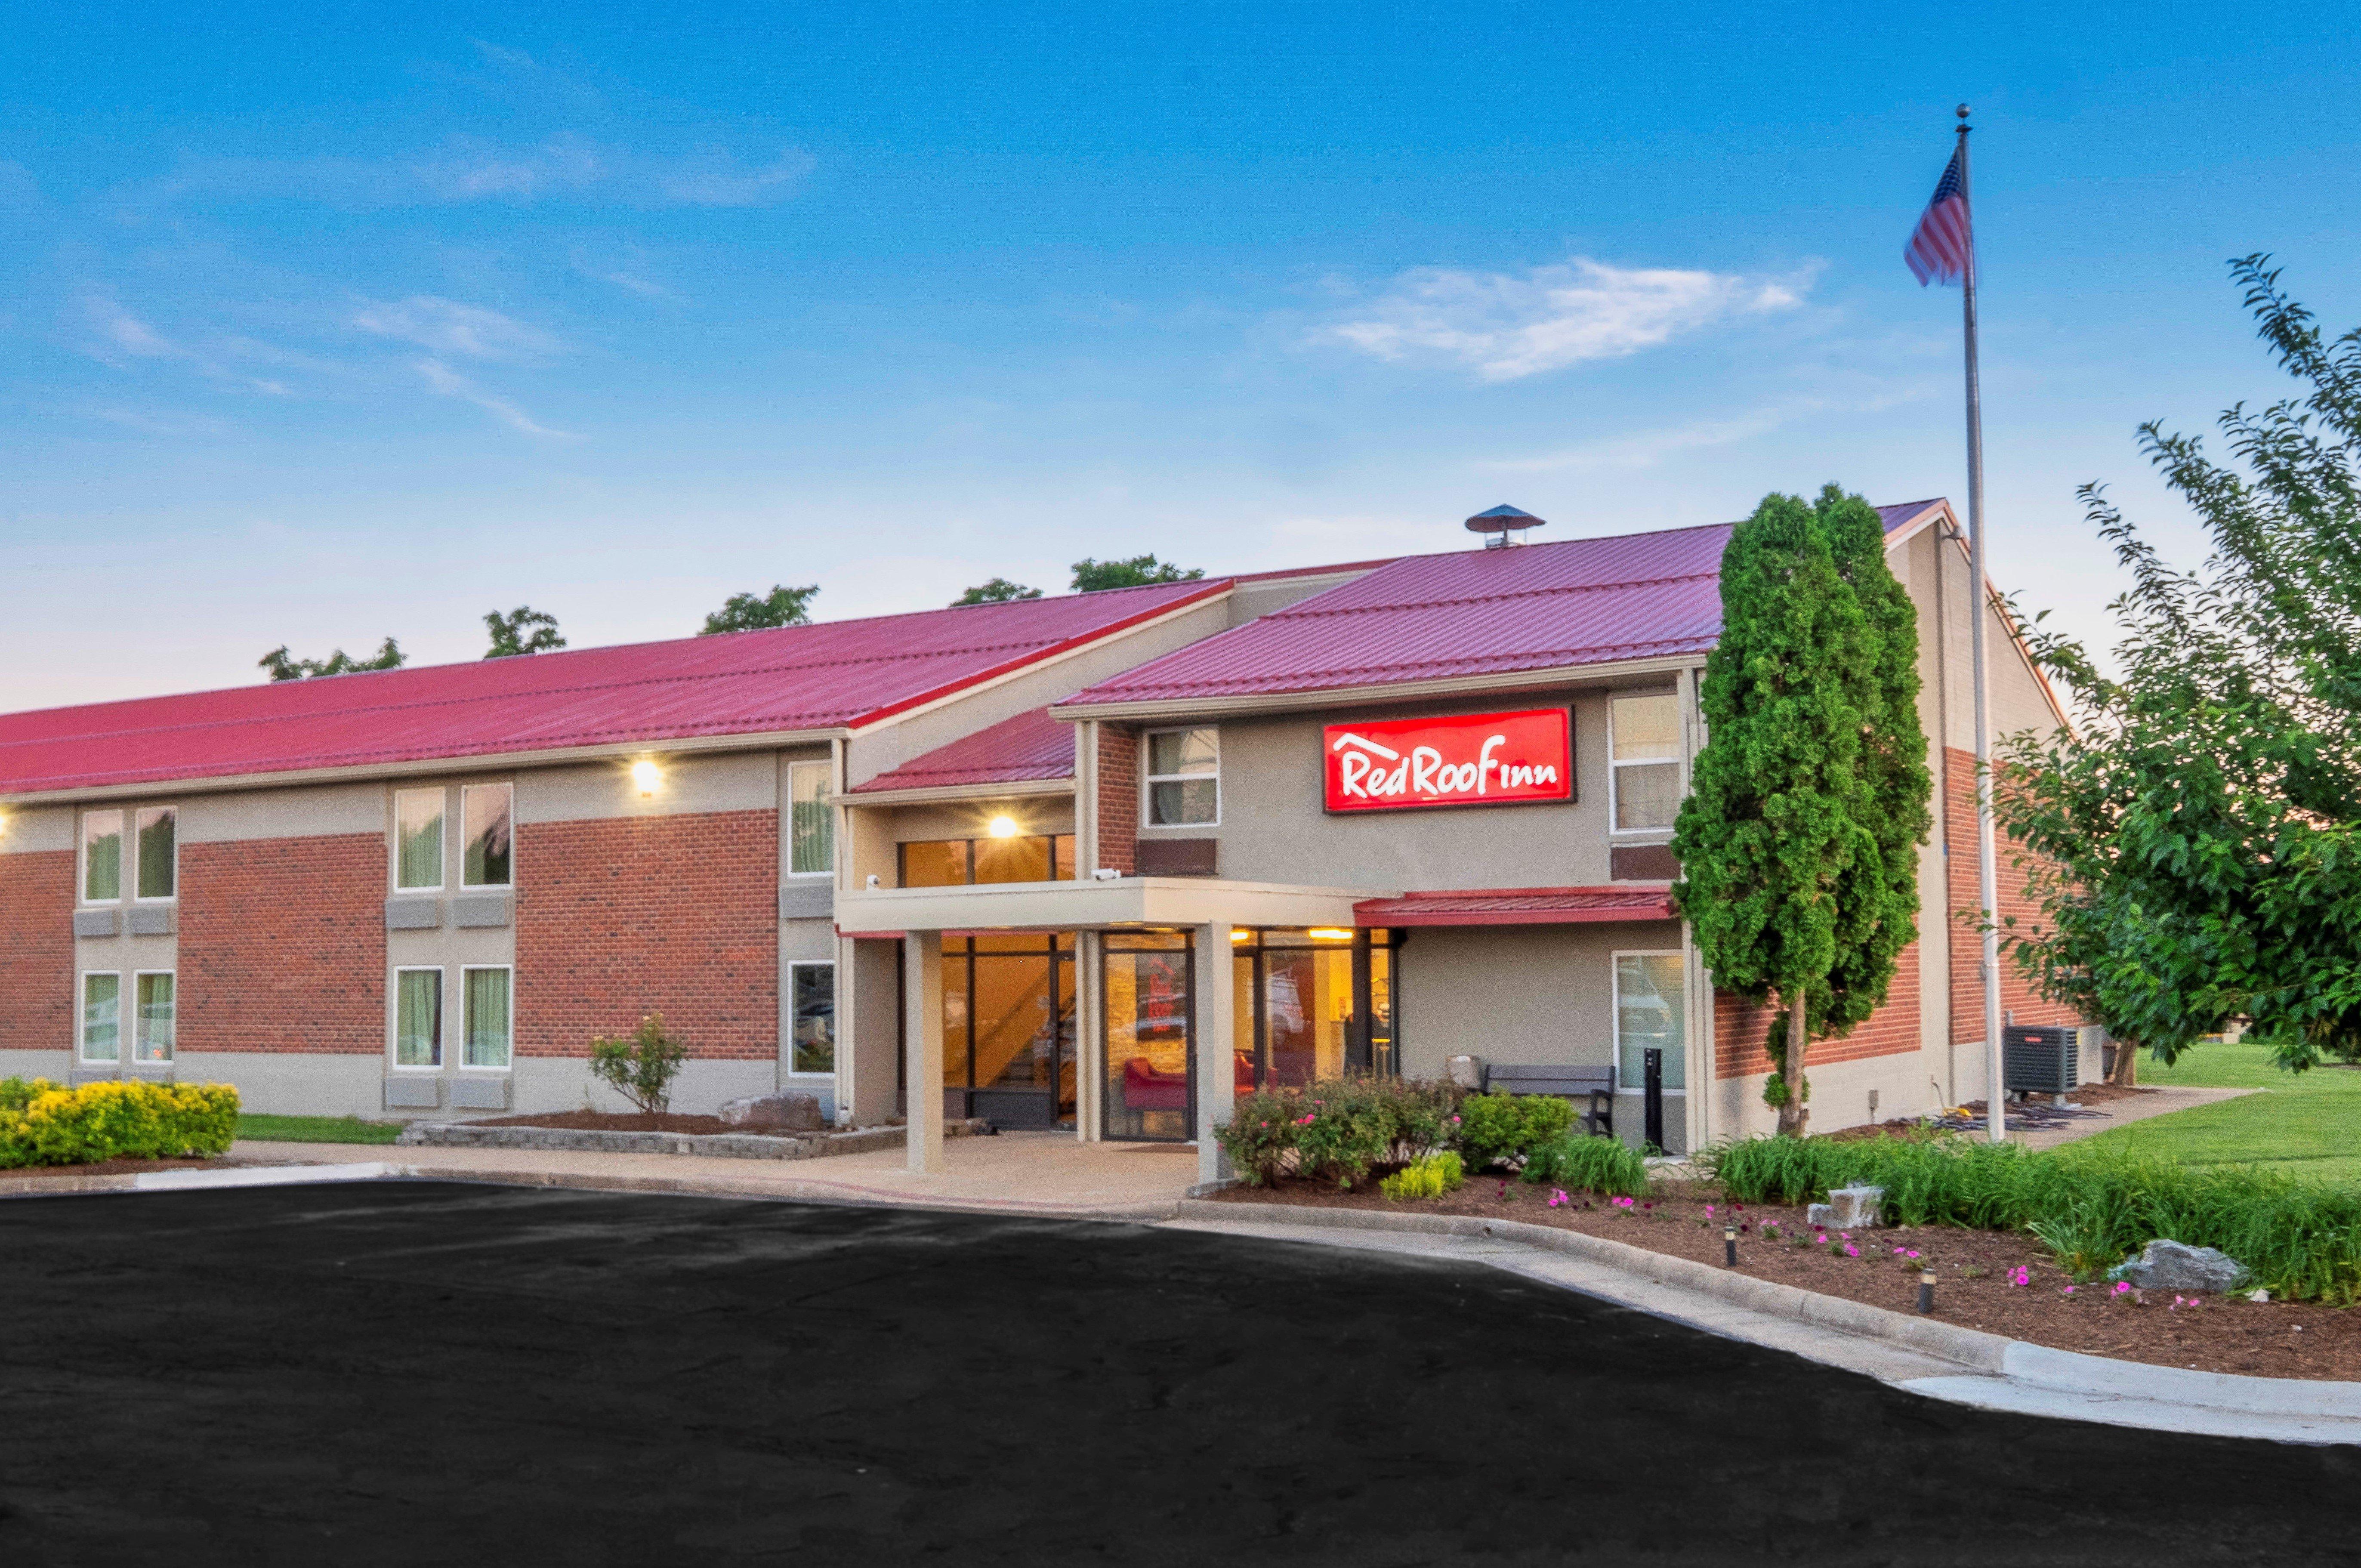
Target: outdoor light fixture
(1927, 1288)
(1240, 934)
(1330, 934)
(647, 775)
(1003, 826)
(1729, 1244)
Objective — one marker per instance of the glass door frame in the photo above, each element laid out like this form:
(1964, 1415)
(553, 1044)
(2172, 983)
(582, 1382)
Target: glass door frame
(1360, 1038)
(1107, 948)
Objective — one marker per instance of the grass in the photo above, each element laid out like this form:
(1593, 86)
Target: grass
(316, 1129)
(2307, 1125)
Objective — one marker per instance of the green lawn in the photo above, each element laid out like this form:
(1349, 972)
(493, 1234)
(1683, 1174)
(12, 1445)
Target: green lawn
(2309, 1123)
(317, 1129)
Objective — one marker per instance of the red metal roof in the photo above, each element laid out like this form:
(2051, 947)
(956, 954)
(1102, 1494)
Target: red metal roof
(842, 674)
(1472, 612)
(1029, 746)
(1519, 907)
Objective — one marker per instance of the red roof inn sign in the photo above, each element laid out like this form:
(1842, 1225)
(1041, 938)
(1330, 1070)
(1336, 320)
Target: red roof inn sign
(1477, 759)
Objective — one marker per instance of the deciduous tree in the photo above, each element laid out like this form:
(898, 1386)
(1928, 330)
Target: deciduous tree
(521, 630)
(283, 666)
(761, 612)
(1000, 590)
(1137, 571)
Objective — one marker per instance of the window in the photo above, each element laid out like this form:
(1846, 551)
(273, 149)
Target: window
(484, 818)
(153, 1043)
(1184, 777)
(487, 1018)
(1651, 1012)
(811, 821)
(957, 862)
(811, 1017)
(102, 1017)
(418, 1017)
(417, 839)
(1644, 768)
(158, 865)
(102, 857)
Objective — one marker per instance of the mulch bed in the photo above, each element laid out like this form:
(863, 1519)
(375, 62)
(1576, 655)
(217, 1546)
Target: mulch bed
(2089, 1095)
(119, 1167)
(1973, 1267)
(630, 1122)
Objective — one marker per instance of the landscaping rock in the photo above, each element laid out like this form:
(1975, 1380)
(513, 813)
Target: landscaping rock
(2171, 1265)
(787, 1108)
(1848, 1208)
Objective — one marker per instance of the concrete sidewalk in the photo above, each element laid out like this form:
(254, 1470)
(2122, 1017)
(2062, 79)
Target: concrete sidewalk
(2123, 1113)
(1043, 1173)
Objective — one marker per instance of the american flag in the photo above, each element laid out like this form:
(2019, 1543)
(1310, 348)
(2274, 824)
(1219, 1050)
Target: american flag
(1940, 247)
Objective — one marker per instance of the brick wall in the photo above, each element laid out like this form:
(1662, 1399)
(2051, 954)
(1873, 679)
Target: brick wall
(1119, 768)
(2016, 998)
(36, 900)
(1740, 1031)
(282, 944)
(616, 917)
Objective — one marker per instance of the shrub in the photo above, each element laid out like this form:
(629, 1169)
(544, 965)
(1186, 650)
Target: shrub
(1430, 1176)
(46, 1123)
(1503, 1129)
(1579, 1162)
(2301, 1239)
(1259, 1136)
(640, 1068)
(1336, 1129)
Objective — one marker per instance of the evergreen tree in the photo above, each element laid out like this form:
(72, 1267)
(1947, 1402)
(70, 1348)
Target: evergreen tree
(1774, 841)
(521, 630)
(761, 612)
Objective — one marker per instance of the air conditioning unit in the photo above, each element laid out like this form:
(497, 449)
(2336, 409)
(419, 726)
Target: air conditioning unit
(2046, 1060)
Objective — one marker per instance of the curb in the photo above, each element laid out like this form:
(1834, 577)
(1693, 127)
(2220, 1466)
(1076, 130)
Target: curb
(716, 1146)
(199, 1180)
(2095, 1377)
(1970, 1348)
(815, 1191)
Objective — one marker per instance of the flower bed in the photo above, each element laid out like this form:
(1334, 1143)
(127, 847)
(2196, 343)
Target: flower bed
(1975, 1271)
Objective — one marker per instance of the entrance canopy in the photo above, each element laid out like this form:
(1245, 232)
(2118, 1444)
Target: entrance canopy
(1116, 904)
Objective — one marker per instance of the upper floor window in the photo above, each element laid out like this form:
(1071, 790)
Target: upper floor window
(811, 821)
(1184, 777)
(102, 857)
(488, 836)
(159, 854)
(1644, 761)
(418, 839)
(956, 862)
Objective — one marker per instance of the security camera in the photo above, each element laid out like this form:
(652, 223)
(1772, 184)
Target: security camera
(1105, 873)
(873, 879)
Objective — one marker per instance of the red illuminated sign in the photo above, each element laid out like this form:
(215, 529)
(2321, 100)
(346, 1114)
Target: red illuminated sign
(1478, 759)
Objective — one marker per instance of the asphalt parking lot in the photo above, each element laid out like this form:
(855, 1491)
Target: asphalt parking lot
(424, 1373)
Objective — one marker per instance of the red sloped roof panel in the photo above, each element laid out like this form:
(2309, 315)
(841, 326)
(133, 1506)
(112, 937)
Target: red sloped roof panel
(1030, 746)
(824, 676)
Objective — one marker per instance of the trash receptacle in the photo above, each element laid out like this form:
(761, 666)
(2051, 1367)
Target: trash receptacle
(1468, 1070)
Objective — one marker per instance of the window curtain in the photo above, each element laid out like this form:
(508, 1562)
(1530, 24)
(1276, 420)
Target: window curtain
(488, 862)
(102, 857)
(420, 832)
(156, 862)
(811, 825)
(102, 1015)
(155, 1041)
(417, 1020)
(488, 1018)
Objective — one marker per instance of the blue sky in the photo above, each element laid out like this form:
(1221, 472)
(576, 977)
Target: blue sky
(320, 325)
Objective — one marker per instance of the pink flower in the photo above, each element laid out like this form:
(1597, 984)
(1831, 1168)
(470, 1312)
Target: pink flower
(2068, 1291)
(1851, 1250)
(1558, 1198)
(2123, 1287)
(1897, 1252)
(1822, 1238)
(1912, 1254)
(1708, 1211)
(1623, 1202)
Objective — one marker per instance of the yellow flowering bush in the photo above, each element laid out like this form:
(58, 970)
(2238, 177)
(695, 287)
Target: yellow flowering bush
(47, 1124)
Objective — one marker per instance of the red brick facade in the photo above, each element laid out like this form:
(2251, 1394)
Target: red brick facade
(1740, 1031)
(2016, 999)
(36, 900)
(282, 944)
(1119, 768)
(616, 917)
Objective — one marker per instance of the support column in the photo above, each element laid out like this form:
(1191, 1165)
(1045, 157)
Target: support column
(923, 1115)
(1216, 1045)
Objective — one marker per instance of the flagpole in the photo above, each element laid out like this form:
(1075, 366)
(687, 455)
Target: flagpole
(1987, 878)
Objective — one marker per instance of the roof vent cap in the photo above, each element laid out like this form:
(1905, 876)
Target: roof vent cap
(1502, 525)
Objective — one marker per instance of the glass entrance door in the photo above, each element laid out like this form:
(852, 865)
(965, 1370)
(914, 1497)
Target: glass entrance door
(1008, 1028)
(1150, 1020)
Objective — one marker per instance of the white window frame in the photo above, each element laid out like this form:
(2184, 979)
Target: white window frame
(1614, 767)
(459, 1062)
(838, 1048)
(132, 852)
(1615, 1015)
(82, 856)
(443, 862)
(441, 1024)
(828, 797)
(464, 885)
(134, 1059)
(1148, 780)
(81, 1020)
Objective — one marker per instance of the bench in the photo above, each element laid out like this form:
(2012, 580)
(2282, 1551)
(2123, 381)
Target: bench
(1576, 1083)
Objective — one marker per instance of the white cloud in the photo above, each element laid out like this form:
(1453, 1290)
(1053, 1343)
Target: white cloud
(466, 169)
(440, 378)
(621, 275)
(713, 179)
(447, 326)
(1647, 449)
(122, 335)
(1509, 325)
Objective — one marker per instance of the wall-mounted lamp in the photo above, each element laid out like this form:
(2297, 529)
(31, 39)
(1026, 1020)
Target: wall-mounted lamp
(1329, 934)
(647, 775)
(1001, 827)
